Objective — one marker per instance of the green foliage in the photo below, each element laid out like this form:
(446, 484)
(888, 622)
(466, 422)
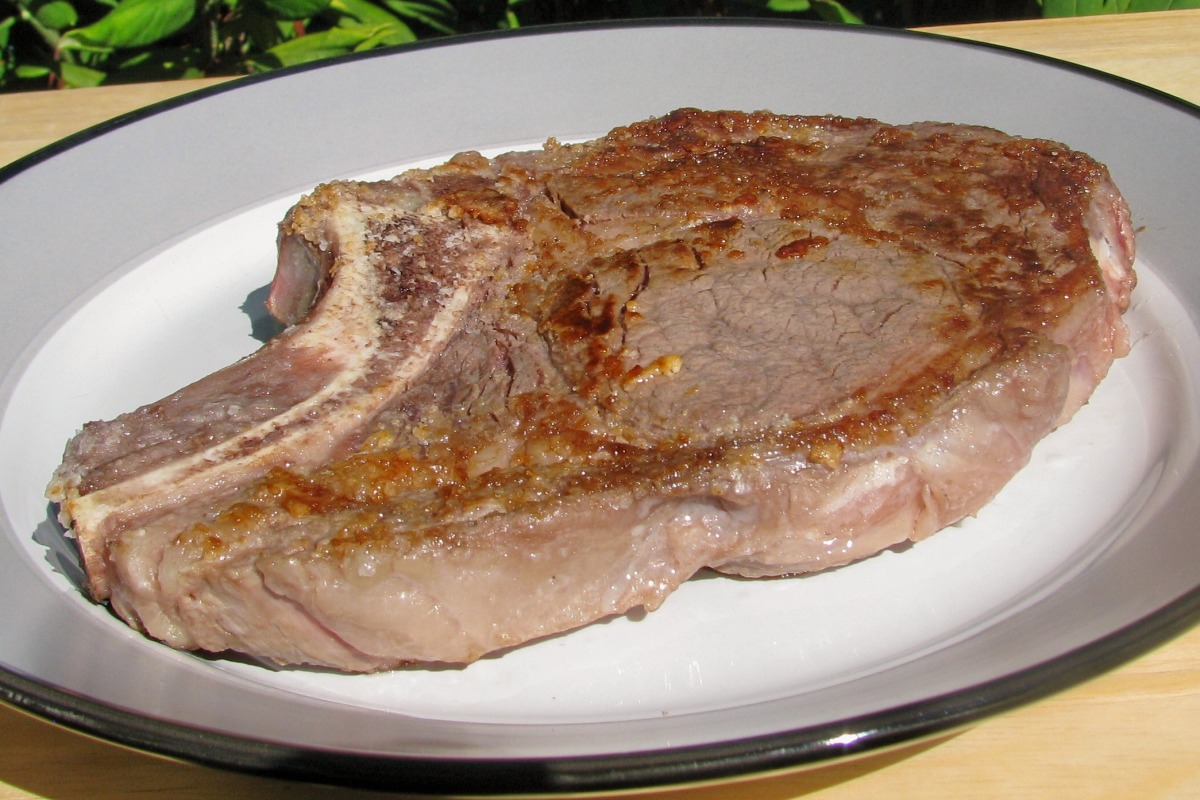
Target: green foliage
(1079, 8)
(295, 9)
(129, 25)
(831, 11)
(66, 43)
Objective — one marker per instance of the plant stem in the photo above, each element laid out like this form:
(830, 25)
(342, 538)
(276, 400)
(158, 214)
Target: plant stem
(49, 36)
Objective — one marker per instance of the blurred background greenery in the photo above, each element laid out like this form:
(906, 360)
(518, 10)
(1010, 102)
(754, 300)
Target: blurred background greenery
(69, 43)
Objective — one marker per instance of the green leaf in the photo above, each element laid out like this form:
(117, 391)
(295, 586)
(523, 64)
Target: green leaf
(788, 6)
(31, 71)
(134, 23)
(1081, 8)
(437, 15)
(387, 36)
(57, 14)
(314, 46)
(1162, 5)
(441, 8)
(833, 11)
(338, 41)
(76, 76)
(362, 11)
(6, 60)
(295, 9)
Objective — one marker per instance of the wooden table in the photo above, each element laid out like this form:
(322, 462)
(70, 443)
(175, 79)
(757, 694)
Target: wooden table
(1134, 733)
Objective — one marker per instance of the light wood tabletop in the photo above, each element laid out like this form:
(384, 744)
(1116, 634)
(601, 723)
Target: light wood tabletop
(1132, 733)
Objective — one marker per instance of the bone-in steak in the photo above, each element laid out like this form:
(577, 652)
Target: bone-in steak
(521, 394)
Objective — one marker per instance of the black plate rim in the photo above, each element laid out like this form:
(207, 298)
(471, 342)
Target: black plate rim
(721, 761)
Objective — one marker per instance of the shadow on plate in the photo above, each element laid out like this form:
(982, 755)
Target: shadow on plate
(263, 326)
(61, 552)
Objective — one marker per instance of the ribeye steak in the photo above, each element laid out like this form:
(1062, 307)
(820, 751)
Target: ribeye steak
(520, 394)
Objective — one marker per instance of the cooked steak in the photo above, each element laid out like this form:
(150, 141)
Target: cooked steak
(517, 395)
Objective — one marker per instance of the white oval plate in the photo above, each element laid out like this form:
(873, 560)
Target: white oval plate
(135, 257)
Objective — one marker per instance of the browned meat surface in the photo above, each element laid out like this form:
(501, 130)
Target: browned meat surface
(522, 394)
